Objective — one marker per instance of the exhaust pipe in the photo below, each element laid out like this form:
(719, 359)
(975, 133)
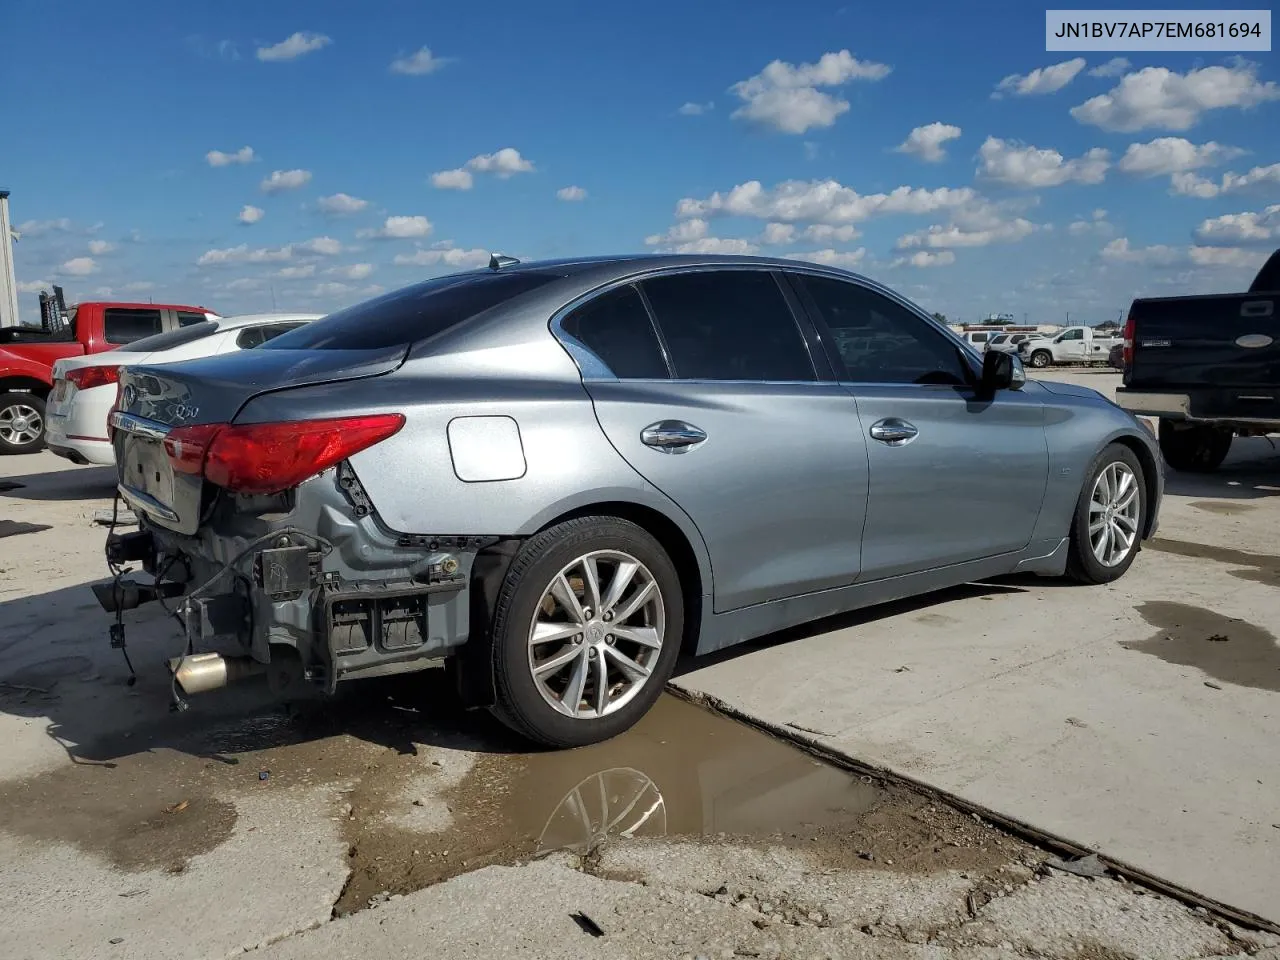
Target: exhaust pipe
(202, 672)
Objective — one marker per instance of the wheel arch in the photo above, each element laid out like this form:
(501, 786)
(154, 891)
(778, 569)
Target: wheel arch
(20, 383)
(1150, 475)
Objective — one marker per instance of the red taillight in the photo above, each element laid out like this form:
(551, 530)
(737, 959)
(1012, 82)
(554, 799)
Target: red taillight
(262, 458)
(1128, 341)
(86, 378)
(187, 446)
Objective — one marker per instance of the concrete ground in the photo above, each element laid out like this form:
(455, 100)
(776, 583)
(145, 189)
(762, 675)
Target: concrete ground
(1139, 719)
(394, 824)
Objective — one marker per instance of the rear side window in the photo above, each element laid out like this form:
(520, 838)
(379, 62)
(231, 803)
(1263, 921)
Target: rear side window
(175, 338)
(979, 337)
(126, 326)
(251, 337)
(411, 313)
(186, 318)
(729, 325)
(616, 328)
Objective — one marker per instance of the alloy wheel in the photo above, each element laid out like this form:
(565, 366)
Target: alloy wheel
(1113, 513)
(596, 635)
(20, 424)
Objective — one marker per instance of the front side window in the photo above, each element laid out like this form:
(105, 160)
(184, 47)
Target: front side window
(1071, 335)
(729, 325)
(616, 328)
(880, 341)
(980, 337)
(126, 325)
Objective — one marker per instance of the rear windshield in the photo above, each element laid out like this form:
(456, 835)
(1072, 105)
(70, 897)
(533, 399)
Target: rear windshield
(410, 314)
(174, 338)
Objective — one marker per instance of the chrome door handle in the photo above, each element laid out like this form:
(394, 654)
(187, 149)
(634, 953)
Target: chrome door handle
(671, 435)
(893, 431)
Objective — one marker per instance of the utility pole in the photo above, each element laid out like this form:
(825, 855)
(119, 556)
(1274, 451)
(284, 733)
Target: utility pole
(8, 282)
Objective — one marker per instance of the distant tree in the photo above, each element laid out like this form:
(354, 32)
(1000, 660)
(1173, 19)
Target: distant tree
(940, 317)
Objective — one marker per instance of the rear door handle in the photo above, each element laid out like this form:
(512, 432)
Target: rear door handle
(671, 436)
(1257, 308)
(893, 431)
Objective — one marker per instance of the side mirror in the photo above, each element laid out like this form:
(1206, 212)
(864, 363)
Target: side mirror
(1002, 371)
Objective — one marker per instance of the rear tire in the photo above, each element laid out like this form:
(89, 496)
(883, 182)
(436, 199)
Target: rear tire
(1041, 359)
(550, 690)
(1112, 503)
(22, 420)
(1198, 449)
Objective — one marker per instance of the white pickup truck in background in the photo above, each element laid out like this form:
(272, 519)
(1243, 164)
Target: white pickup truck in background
(1072, 345)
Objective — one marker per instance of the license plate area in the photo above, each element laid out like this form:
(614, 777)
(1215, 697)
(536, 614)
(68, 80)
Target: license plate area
(147, 479)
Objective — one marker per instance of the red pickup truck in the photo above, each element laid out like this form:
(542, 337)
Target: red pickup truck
(27, 355)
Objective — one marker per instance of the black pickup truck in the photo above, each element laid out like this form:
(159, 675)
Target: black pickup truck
(1208, 367)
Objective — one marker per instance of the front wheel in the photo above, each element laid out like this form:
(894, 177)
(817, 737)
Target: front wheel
(586, 631)
(21, 423)
(1111, 514)
(1041, 359)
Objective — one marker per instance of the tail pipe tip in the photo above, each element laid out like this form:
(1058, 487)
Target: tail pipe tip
(202, 672)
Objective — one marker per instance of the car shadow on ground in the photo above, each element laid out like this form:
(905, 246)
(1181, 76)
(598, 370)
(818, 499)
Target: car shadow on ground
(79, 483)
(1251, 472)
(57, 667)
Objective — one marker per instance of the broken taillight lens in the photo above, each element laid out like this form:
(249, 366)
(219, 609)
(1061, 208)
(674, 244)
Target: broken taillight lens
(85, 378)
(264, 458)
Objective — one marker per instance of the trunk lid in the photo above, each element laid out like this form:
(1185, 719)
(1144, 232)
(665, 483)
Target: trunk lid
(1229, 342)
(154, 400)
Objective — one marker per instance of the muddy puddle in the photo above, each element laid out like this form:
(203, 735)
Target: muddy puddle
(1258, 567)
(423, 792)
(1228, 649)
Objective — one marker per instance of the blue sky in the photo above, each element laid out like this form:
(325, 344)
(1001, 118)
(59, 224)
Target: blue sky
(934, 146)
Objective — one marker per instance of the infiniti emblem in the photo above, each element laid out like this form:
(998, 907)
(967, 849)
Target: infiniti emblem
(130, 395)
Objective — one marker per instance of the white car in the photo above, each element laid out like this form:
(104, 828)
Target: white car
(1007, 342)
(84, 388)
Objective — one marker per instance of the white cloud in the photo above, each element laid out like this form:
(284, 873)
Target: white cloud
(696, 109)
(1168, 155)
(100, 247)
(1232, 257)
(1158, 97)
(1161, 254)
(139, 286)
(399, 228)
(355, 271)
(571, 193)
(1031, 167)
(296, 273)
(926, 258)
(33, 286)
(952, 236)
(244, 254)
(502, 163)
(419, 63)
(826, 233)
(294, 46)
(325, 246)
(250, 214)
(832, 258)
(331, 289)
(79, 267)
(820, 201)
(216, 158)
(241, 284)
(40, 228)
(725, 245)
(452, 180)
(448, 256)
(786, 97)
(1097, 224)
(281, 180)
(773, 233)
(341, 204)
(1241, 228)
(926, 142)
(105, 292)
(1114, 67)
(1041, 80)
(683, 232)
(1193, 185)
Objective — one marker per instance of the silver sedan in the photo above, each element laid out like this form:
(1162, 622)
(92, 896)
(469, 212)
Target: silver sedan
(553, 478)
